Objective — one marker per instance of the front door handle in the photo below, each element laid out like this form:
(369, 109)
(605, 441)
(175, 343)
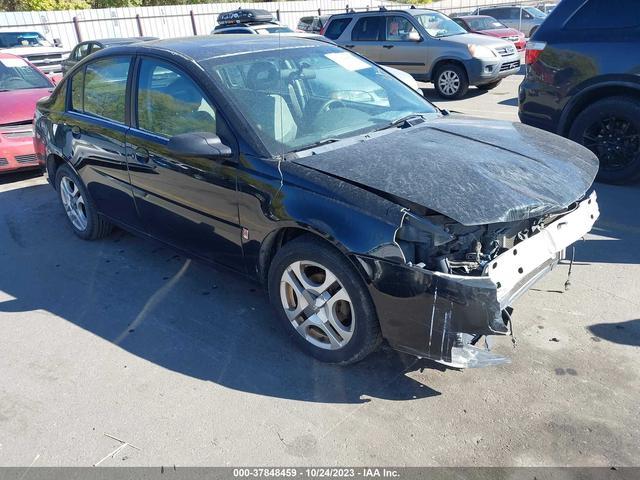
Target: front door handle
(142, 155)
(349, 46)
(387, 46)
(75, 131)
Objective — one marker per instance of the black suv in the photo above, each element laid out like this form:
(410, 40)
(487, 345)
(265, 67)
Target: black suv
(583, 81)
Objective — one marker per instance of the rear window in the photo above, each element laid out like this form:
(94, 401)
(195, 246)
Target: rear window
(336, 27)
(605, 14)
(367, 29)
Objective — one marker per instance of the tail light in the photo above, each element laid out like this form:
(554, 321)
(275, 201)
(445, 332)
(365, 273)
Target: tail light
(534, 49)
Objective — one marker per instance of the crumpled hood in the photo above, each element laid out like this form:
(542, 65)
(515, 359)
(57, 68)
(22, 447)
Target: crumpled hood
(472, 170)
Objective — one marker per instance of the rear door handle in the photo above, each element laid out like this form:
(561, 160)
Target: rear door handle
(349, 46)
(75, 131)
(387, 46)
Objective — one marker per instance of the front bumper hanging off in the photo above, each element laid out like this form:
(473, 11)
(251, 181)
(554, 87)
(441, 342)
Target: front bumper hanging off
(440, 316)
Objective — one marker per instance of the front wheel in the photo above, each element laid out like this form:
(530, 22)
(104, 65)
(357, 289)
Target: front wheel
(451, 81)
(490, 86)
(78, 205)
(323, 302)
(610, 128)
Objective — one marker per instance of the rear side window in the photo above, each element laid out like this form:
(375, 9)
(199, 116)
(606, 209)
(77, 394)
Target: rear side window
(336, 27)
(367, 29)
(105, 86)
(605, 14)
(77, 88)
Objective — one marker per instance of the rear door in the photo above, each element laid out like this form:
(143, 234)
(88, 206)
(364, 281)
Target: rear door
(399, 51)
(366, 37)
(188, 202)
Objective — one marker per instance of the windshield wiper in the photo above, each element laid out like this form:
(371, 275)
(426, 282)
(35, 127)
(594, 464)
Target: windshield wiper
(319, 143)
(402, 120)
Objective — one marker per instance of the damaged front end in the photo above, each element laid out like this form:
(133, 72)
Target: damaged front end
(459, 282)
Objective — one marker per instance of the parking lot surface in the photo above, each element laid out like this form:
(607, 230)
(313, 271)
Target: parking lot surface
(129, 338)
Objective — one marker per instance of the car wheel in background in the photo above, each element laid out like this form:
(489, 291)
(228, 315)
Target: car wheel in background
(451, 81)
(323, 302)
(490, 86)
(610, 128)
(81, 212)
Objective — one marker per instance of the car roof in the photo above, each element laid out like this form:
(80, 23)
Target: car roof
(121, 41)
(205, 47)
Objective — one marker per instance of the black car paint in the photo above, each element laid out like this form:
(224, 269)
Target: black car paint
(576, 68)
(241, 208)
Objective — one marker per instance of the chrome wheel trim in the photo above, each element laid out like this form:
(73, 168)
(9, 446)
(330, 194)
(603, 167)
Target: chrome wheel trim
(73, 203)
(449, 82)
(317, 305)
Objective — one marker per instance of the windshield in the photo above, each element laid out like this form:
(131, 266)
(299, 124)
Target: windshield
(439, 25)
(16, 74)
(23, 39)
(484, 23)
(268, 30)
(296, 97)
(535, 12)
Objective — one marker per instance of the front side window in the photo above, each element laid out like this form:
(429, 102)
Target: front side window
(399, 28)
(534, 12)
(105, 86)
(439, 25)
(81, 51)
(336, 27)
(367, 29)
(16, 74)
(170, 103)
(295, 97)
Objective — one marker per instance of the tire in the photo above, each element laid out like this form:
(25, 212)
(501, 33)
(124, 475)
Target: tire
(451, 81)
(346, 297)
(489, 86)
(610, 128)
(79, 207)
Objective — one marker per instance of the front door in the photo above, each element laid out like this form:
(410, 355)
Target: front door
(185, 201)
(366, 37)
(401, 48)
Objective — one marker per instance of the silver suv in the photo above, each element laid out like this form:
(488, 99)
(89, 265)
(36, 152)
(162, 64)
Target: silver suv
(527, 19)
(429, 46)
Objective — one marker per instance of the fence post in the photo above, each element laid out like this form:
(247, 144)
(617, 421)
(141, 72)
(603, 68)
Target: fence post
(139, 22)
(76, 26)
(278, 14)
(346, 9)
(319, 13)
(193, 22)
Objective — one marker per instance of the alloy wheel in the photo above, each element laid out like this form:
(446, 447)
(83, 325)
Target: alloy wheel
(317, 305)
(73, 203)
(615, 141)
(449, 82)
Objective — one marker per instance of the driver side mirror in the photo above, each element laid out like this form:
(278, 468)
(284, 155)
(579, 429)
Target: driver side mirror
(414, 36)
(57, 42)
(199, 144)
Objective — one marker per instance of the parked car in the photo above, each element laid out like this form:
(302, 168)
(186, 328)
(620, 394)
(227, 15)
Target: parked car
(313, 24)
(252, 21)
(428, 45)
(84, 49)
(35, 48)
(582, 83)
(364, 221)
(490, 26)
(525, 19)
(21, 86)
(546, 7)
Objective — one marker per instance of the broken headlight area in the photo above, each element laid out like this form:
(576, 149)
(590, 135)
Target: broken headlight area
(458, 282)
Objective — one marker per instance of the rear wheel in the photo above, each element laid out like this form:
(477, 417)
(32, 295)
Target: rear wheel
(323, 302)
(490, 86)
(610, 128)
(78, 205)
(451, 81)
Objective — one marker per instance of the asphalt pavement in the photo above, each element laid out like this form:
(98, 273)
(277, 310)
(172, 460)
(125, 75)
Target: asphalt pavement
(128, 338)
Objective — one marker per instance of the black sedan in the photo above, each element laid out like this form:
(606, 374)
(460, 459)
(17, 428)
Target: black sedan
(366, 211)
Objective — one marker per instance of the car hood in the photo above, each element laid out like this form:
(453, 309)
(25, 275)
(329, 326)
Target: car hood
(474, 171)
(20, 105)
(477, 39)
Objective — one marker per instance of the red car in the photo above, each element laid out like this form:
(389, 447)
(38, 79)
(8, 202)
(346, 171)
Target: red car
(485, 25)
(21, 86)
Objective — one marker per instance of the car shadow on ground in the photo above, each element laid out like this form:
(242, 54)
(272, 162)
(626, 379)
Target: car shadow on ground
(431, 94)
(624, 333)
(177, 313)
